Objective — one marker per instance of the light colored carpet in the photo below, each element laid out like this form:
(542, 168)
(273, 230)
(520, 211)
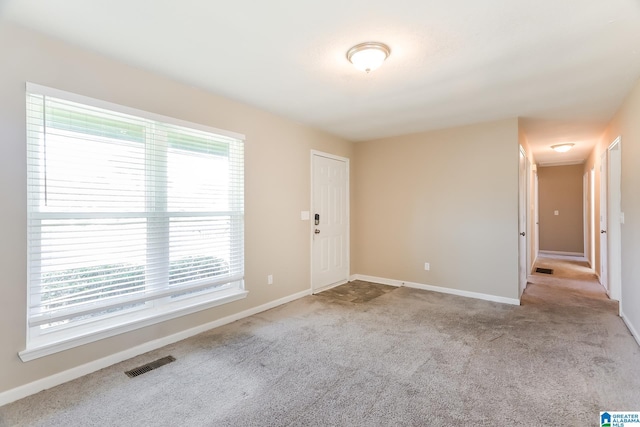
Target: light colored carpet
(578, 285)
(407, 357)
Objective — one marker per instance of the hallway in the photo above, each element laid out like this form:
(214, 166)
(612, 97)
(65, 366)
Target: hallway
(572, 284)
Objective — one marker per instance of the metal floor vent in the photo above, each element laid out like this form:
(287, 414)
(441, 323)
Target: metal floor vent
(544, 270)
(149, 366)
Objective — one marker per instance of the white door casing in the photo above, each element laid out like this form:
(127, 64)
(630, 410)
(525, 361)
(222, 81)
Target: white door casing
(330, 237)
(585, 214)
(604, 263)
(528, 206)
(592, 218)
(536, 213)
(614, 230)
(522, 223)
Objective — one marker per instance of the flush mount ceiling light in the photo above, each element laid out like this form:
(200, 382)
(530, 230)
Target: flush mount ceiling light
(368, 56)
(562, 148)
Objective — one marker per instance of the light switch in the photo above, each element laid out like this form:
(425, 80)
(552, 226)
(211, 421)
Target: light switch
(621, 217)
(304, 216)
(556, 212)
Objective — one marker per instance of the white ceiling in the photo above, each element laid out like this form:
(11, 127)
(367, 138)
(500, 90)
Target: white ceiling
(564, 66)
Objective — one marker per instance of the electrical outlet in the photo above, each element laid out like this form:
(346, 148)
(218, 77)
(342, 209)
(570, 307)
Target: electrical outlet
(427, 267)
(270, 279)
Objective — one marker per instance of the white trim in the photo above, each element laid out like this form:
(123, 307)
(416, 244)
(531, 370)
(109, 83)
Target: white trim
(533, 266)
(613, 226)
(74, 97)
(79, 371)
(440, 289)
(523, 204)
(615, 141)
(551, 164)
(48, 348)
(579, 254)
(633, 331)
(380, 280)
(329, 156)
(585, 215)
(43, 319)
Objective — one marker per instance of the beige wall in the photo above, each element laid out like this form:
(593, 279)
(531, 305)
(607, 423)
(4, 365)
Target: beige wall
(277, 187)
(626, 124)
(560, 188)
(446, 197)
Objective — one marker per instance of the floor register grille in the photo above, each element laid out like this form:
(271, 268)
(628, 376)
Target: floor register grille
(149, 366)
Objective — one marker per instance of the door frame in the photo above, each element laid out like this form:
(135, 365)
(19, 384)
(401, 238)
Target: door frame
(592, 218)
(614, 226)
(585, 216)
(536, 219)
(313, 154)
(603, 215)
(523, 215)
(527, 207)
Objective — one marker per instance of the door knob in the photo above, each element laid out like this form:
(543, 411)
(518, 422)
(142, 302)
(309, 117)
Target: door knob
(603, 231)
(317, 231)
(522, 234)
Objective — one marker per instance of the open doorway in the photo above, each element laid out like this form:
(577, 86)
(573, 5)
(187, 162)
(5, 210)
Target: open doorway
(562, 270)
(561, 209)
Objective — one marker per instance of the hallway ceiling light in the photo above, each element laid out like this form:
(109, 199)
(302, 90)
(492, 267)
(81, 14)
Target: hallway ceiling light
(562, 148)
(368, 56)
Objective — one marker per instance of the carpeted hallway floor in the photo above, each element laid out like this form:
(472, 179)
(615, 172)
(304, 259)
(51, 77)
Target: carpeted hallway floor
(398, 357)
(572, 283)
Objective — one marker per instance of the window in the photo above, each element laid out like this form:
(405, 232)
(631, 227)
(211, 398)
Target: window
(133, 218)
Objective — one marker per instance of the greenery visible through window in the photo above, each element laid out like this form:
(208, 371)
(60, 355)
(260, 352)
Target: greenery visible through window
(129, 216)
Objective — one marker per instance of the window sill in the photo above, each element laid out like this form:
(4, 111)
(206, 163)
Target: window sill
(45, 349)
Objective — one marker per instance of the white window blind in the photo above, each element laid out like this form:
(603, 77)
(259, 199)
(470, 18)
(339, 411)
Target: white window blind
(130, 214)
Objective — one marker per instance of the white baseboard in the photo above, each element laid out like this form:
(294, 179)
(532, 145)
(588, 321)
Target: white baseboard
(380, 280)
(440, 289)
(79, 371)
(630, 327)
(577, 254)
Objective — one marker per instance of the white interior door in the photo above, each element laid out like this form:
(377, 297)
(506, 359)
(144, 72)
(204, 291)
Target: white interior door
(329, 221)
(529, 209)
(522, 222)
(585, 215)
(604, 263)
(614, 217)
(592, 218)
(536, 228)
